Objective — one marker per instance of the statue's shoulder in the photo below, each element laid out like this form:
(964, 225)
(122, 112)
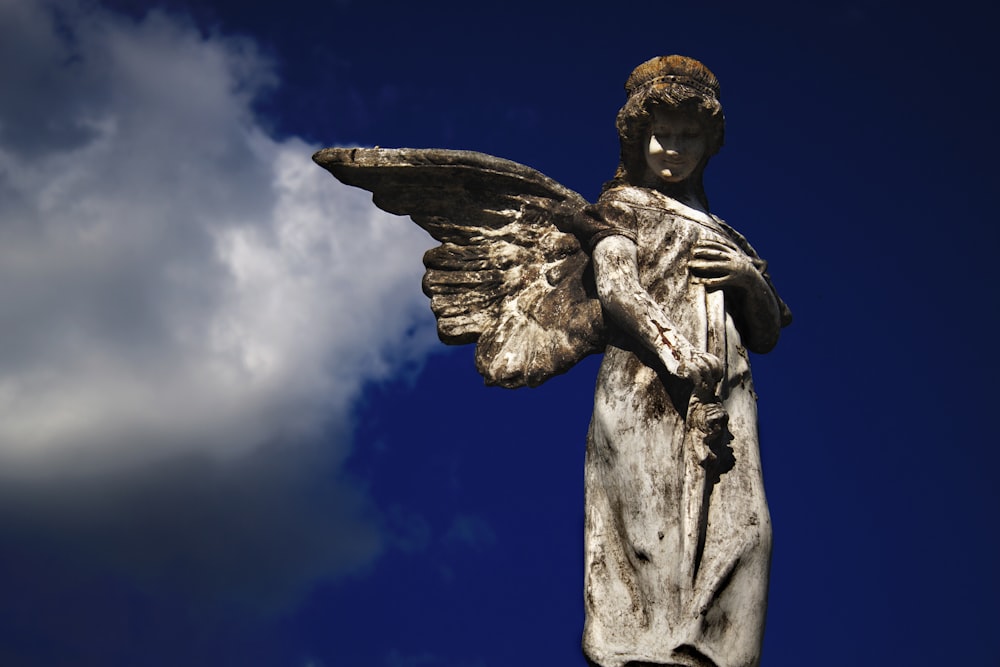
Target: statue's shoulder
(616, 213)
(627, 204)
(629, 195)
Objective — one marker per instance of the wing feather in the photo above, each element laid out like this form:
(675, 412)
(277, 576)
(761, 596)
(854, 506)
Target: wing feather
(509, 274)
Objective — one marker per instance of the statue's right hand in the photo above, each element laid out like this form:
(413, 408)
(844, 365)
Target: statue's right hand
(702, 369)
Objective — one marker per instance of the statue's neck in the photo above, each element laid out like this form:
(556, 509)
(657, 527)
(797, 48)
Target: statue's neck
(686, 193)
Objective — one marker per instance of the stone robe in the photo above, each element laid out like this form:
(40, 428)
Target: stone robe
(677, 551)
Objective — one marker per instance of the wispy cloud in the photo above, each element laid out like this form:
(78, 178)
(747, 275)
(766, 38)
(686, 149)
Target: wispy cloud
(189, 306)
(470, 531)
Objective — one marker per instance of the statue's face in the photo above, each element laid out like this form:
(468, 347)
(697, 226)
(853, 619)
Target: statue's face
(676, 146)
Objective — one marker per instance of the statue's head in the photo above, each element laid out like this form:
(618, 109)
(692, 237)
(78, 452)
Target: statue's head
(664, 90)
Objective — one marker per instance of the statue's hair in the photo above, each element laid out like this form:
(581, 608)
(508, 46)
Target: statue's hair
(666, 92)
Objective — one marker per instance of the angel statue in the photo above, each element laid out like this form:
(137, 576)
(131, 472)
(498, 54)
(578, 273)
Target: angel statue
(678, 536)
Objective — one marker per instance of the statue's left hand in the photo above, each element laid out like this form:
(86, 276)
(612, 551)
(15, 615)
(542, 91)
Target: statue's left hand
(718, 266)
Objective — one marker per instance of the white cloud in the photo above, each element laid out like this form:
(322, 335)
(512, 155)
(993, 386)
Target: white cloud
(175, 282)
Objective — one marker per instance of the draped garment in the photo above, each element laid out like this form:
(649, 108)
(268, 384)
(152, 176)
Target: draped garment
(677, 553)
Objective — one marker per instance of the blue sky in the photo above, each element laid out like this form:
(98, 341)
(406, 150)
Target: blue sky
(228, 434)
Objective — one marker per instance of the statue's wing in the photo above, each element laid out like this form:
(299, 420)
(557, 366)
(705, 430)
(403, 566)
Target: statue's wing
(508, 273)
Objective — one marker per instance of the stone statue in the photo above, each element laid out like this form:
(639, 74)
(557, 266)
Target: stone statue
(678, 537)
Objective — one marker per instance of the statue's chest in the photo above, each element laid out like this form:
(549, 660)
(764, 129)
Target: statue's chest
(666, 243)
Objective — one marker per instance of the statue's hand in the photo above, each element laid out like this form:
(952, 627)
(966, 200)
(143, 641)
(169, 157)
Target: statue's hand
(702, 369)
(718, 266)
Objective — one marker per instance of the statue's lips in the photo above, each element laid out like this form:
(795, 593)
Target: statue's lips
(670, 161)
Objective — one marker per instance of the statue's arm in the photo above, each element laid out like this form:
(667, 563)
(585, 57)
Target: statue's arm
(756, 306)
(629, 305)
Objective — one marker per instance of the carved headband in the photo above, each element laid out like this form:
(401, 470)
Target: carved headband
(677, 80)
(673, 71)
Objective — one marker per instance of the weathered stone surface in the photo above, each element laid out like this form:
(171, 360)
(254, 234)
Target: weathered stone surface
(509, 274)
(678, 537)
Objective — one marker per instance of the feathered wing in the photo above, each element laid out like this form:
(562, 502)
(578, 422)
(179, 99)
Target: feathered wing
(508, 275)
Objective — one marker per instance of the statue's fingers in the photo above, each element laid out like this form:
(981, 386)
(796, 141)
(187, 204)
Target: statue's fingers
(714, 245)
(714, 282)
(713, 255)
(709, 370)
(708, 268)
